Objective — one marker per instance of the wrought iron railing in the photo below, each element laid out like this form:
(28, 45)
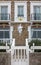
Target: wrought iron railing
(4, 16)
(36, 16)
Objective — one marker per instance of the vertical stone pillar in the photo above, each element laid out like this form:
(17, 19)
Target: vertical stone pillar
(11, 30)
(29, 30)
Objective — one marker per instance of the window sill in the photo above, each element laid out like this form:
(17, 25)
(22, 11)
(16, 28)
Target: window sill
(4, 20)
(35, 20)
(20, 21)
(36, 38)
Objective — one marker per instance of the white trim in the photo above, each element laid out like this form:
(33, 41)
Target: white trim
(5, 1)
(24, 19)
(36, 33)
(36, 29)
(32, 4)
(4, 47)
(3, 30)
(20, 1)
(34, 1)
(29, 32)
(6, 4)
(11, 30)
(20, 22)
(35, 21)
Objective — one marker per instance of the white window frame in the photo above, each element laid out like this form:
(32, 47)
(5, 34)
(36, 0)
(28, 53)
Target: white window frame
(20, 3)
(32, 4)
(10, 34)
(6, 3)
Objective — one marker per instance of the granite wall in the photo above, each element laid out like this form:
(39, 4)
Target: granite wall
(34, 58)
(5, 58)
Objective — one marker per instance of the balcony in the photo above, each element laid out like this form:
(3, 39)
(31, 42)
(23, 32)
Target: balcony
(4, 17)
(36, 16)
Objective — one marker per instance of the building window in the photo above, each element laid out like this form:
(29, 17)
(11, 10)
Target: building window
(37, 12)
(20, 11)
(35, 9)
(36, 33)
(4, 12)
(4, 33)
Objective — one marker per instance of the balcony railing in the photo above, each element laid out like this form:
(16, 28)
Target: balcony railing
(5, 40)
(4, 16)
(36, 16)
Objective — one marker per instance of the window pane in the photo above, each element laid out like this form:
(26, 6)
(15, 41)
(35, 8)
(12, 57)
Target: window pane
(39, 34)
(34, 34)
(36, 9)
(20, 10)
(4, 11)
(37, 12)
(1, 34)
(7, 34)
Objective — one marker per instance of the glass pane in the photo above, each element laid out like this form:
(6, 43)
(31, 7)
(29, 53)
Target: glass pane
(34, 34)
(7, 35)
(4, 10)
(37, 10)
(20, 10)
(1, 34)
(39, 34)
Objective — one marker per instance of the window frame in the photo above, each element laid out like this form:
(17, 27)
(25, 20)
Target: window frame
(4, 33)
(6, 3)
(34, 3)
(36, 30)
(4, 15)
(19, 3)
(19, 13)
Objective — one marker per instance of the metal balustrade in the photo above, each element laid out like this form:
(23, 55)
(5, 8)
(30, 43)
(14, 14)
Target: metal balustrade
(36, 16)
(4, 16)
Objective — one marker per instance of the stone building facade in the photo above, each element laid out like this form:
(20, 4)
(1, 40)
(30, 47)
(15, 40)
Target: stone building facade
(20, 15)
